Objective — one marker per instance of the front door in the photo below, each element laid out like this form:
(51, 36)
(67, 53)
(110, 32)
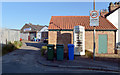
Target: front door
(102, 45)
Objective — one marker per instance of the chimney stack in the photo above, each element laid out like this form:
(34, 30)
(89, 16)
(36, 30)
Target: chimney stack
(118, 4)
(113, 6)
(30, 23)
(103, 12)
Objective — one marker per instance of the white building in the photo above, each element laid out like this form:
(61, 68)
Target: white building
(42, 32)
(113, 16)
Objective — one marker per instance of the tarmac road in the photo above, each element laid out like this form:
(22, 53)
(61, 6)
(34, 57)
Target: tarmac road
(24, 60)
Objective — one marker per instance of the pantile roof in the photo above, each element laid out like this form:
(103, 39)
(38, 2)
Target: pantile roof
(68, 22)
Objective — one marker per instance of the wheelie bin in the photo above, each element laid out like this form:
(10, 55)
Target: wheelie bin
(71, 51)
(50, 51)
(60, 51)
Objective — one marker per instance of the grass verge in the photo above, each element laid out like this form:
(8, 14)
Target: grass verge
(11, 47)
(88, 54)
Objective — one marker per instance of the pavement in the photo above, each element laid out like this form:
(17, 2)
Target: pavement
(28, 59)
(80, 63)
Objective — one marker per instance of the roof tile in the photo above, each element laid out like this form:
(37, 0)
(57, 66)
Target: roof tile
(68, 22)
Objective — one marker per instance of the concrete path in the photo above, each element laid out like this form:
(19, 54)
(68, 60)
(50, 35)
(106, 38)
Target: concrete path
(28, 59)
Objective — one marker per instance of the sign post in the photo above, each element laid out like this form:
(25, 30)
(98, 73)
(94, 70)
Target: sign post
(94, 44)
(94, 21)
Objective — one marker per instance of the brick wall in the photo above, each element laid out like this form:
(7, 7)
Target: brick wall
(61, 37)
(89, 40)
(66, 37)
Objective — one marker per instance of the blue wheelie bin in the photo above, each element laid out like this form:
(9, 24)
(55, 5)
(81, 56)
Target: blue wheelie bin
(71, 51)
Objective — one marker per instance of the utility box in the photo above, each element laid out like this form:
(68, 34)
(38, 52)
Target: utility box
(50, 51)
(60, 51)
(71, 51)
(79, 40)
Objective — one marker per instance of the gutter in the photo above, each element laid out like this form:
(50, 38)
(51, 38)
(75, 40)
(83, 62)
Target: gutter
(85, 30)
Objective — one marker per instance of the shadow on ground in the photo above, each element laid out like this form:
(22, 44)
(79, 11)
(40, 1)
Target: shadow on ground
(37, 45)
(115, 60)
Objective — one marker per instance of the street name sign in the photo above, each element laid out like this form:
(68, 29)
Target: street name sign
(94, 18)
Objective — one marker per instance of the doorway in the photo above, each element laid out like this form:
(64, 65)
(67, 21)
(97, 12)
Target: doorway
(102, 44)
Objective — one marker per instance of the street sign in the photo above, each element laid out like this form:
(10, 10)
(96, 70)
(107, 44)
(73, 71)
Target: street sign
(94, 18)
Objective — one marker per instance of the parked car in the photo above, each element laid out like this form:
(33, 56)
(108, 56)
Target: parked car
(45, 40)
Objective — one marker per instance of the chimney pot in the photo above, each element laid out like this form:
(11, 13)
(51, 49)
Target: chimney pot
(111, 4)
(118, 3)
(115, 3)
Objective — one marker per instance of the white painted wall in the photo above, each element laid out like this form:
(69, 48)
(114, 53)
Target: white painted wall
(45, 29)
(119, 25)
(113, 18)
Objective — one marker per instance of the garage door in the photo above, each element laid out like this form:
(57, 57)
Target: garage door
(102, 44)
(32, 35)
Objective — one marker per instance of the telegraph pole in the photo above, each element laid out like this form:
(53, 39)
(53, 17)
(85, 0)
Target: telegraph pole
(94, 37)
(94, 5)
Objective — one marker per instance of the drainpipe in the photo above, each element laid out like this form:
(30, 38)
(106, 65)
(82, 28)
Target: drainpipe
(115, 48)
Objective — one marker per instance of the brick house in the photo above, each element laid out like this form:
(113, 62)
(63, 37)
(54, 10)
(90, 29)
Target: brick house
(30, 31)
(61, 32)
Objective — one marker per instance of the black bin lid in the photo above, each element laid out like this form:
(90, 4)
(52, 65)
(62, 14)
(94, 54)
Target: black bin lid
(50, 45)
(59, 44)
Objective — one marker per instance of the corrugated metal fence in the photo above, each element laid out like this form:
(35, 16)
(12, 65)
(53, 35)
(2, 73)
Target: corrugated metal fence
(9, 35)
(24, 36)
